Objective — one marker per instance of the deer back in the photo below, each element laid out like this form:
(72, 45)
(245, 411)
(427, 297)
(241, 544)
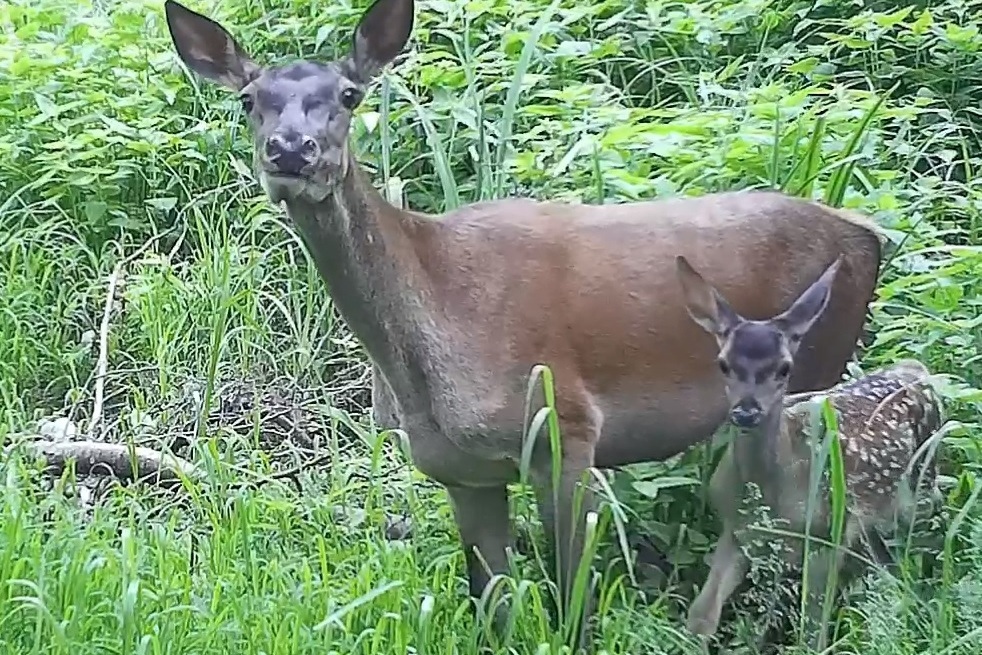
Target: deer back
(884, 418)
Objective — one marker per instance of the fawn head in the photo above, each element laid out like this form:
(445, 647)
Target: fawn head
(755, 357)
(300, 112)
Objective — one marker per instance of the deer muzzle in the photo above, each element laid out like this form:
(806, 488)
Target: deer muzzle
(746, 413)
(291, 154)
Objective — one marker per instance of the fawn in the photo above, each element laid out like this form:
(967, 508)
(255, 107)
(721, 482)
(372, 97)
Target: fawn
(884, 417)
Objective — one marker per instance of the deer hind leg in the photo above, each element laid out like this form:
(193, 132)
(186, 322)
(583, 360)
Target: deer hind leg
(484, 524)
(823, 562)
(563, 508)
(728, 568)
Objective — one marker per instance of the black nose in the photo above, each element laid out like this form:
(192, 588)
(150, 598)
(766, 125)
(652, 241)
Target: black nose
(746, 414)
(291, 153)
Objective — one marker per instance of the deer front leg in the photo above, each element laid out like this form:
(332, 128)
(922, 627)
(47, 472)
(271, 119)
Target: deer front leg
(484, 524)
(727, 570)
(385, 415)
(728, 564)
(563, 509)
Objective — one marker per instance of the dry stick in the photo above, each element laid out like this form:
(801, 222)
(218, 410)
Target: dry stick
(103, 360)
(102, 363)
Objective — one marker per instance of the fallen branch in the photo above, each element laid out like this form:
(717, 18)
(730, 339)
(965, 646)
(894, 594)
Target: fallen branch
(119, 460)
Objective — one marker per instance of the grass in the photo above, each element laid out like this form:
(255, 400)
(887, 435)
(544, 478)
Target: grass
(220, 326)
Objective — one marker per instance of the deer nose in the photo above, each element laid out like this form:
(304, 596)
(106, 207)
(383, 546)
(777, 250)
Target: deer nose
(746, 414)
(291, 153)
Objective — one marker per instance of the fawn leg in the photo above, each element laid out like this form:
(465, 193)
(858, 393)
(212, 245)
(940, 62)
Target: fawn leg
(727, 570)
(484, 524)
(823, 562)
(729, 565)
(563, 509)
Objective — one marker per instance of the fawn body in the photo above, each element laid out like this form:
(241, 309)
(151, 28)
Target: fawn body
(455, 310)
(883, 418)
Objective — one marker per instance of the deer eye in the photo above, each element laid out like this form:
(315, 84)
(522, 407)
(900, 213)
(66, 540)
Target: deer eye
(248, 104)
(350, 98)
(723, 366)
(783, 371)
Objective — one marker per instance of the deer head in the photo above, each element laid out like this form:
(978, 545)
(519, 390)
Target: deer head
(300, 112)
(755, 357)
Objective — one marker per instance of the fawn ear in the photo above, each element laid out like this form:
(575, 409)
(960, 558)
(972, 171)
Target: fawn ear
(801, 316)
(208, 49)
(381, 35)
(704, 303)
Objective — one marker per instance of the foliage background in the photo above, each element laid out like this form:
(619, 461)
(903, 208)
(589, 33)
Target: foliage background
(105, 144)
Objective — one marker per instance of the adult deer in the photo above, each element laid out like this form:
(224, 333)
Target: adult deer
(884, 418)
(454, 310)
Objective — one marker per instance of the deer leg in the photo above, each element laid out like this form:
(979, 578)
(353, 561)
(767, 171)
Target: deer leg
(484, 524)
(728, 568)
(563, 509)
(385, 415)
(825, 561)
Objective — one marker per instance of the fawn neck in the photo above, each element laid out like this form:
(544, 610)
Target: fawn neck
(364, 250)
(758, 452)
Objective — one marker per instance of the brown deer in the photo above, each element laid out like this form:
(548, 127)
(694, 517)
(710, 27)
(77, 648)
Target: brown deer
(454, 310)
(884, 418)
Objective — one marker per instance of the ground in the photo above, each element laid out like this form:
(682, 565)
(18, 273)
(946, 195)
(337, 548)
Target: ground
(132, 230)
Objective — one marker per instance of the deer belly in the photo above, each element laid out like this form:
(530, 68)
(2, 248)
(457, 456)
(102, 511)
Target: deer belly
(654, 430)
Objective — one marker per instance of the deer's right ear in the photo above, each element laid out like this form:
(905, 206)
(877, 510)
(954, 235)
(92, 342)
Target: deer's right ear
(208, 49)
(705, 305)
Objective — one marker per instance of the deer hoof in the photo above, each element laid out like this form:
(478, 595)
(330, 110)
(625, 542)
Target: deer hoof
(699, 623)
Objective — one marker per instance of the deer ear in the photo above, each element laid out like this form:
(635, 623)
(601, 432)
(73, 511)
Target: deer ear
(208, 49)
(802, 315)
(380, 36)
(704, 303)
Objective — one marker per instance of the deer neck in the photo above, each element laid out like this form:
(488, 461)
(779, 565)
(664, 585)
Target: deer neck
(759, 451)
(365, 250)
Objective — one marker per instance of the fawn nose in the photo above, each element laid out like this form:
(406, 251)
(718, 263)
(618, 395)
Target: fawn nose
(291, 153)
(746, 413)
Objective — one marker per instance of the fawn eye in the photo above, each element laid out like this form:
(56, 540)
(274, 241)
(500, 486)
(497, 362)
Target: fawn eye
(723, 366)
(248, 104)
(350, 98)
(783, 371)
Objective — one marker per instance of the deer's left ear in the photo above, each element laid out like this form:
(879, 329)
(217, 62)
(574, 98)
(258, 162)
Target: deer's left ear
(381, 35)
(806, 310)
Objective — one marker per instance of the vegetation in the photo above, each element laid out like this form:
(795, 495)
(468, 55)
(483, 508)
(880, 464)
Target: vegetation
(131, 225)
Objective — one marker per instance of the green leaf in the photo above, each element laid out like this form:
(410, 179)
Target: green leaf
(164, 204)
(651, 488)
(94, 210)
(923, 23)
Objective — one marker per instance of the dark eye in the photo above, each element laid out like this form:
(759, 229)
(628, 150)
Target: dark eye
(783, 371)
(350, 98)
(723, 366)
(247, 103)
